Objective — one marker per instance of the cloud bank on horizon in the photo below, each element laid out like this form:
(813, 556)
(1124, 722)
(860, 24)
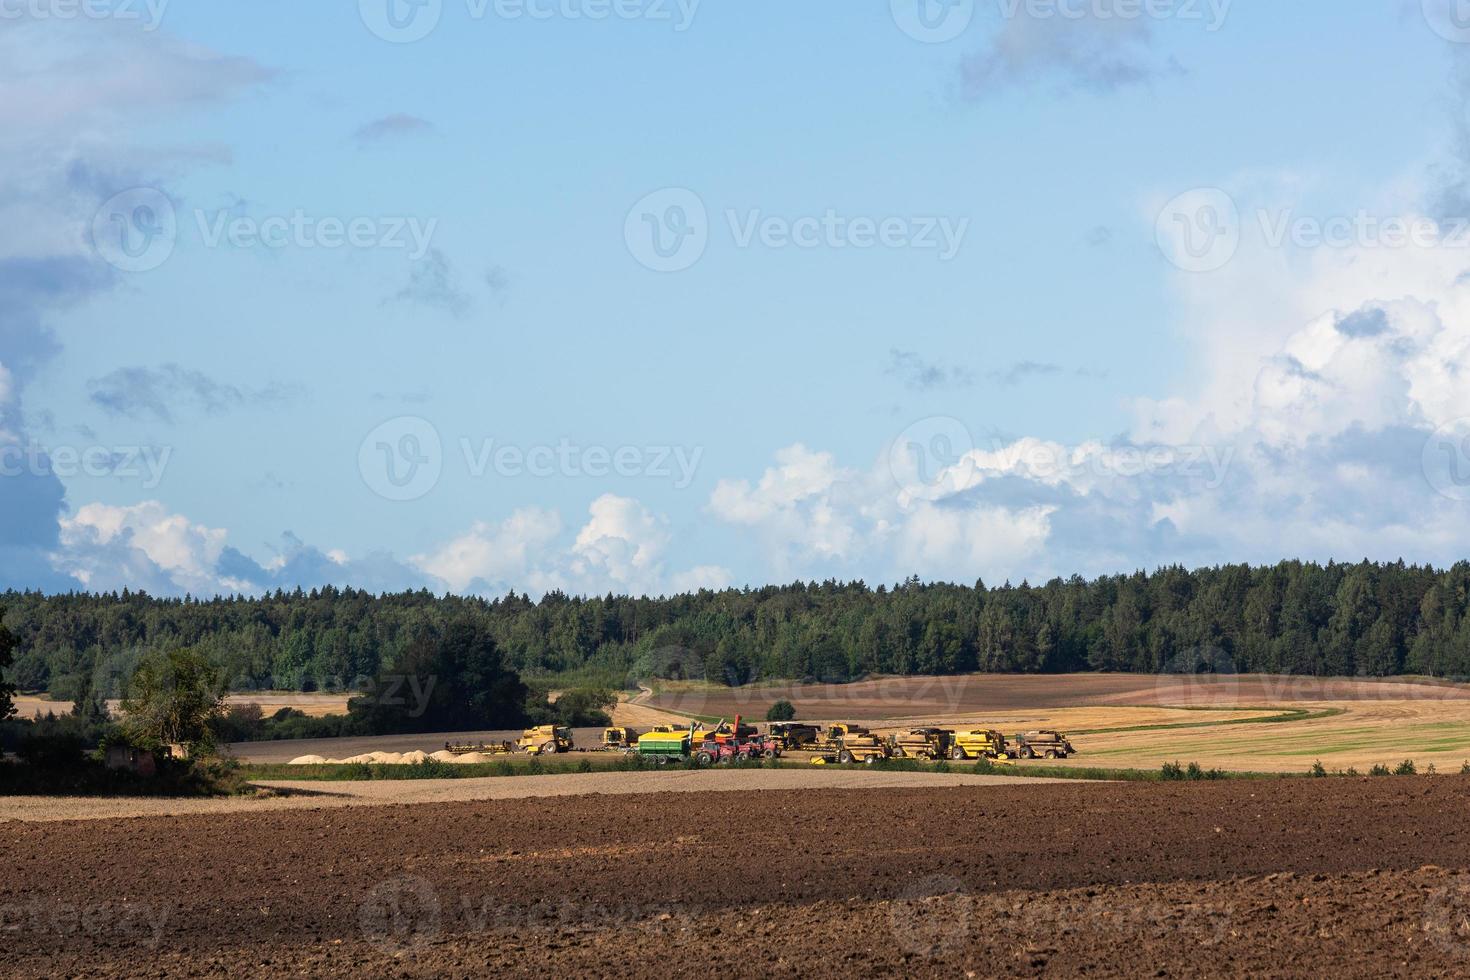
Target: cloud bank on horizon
(1315, 405)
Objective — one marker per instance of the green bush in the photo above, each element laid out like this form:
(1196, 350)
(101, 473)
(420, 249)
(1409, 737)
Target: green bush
(1405, 768)
(782, 710)
(1319, 770)
(1173, 772)
(63, 750)
(1379, 770)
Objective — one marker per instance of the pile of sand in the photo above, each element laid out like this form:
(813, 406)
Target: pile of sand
(393, 759)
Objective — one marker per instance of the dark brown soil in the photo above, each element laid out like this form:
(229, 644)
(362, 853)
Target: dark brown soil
(1277, 878)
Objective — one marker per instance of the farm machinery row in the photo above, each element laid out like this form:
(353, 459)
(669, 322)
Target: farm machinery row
(724, 743)
(847, 744)
(842, 744)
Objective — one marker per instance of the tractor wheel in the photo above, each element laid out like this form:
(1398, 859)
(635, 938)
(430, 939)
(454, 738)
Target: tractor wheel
(704, 758)
(844, 757)
(549, 748)
(871, 760)
(1026, 752)
(900, 754)
(1051, 753)
(957, 753)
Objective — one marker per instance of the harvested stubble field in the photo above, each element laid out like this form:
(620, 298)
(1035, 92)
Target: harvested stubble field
(1236, 722)
(315, 705)
(1249, 722)
(1278, 877)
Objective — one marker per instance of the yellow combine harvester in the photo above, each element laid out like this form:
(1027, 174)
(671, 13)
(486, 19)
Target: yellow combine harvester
(847, 744)
(619, 738)
(1043, 744)
(829, 740)
(545, 740)
(979, 744)
(922, 743)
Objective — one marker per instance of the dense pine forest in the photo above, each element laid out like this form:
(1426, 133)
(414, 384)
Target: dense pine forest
(1299, 618)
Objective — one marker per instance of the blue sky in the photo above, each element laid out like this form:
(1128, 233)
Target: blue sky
(1030, 374)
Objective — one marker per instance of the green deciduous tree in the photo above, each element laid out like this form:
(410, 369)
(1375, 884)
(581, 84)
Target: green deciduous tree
(174, 698)
(454, 681)
(782, 710)
(7, 653)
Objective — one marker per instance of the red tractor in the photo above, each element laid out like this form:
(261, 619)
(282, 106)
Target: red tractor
(727, 743)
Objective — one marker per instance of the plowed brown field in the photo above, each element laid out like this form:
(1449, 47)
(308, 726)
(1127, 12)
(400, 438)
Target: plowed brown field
(1283, 878)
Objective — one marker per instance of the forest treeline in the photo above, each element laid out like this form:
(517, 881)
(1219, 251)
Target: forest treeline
(1295, 617)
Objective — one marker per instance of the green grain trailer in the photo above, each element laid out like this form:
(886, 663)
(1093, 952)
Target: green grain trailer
(664, 747)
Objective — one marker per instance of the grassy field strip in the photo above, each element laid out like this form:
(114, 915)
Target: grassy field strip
(1277, 716)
